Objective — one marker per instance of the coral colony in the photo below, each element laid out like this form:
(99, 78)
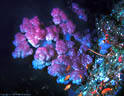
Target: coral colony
(72, 61)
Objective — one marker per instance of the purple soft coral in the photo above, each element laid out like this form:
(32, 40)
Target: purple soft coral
(22, 48)
(34, 32)
(61, 55)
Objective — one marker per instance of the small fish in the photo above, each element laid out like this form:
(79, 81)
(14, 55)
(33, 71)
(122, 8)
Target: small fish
(80, 94)
(68, 67)
(67, 77)
(106, 90)
(88, 66)
(102, 83)
(94, 92)
(103, 41)
(106, 35)
(107, 41)
(81, 76)
(106, 38)
(67, 87)
(120, 59)
(100, 87)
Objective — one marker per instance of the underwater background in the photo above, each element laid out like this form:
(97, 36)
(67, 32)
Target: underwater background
(88, 24)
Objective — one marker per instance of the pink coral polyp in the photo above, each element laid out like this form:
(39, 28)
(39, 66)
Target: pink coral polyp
(61, 47)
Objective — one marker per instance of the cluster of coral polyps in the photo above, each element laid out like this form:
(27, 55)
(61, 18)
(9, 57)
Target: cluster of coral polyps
(62, 56)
